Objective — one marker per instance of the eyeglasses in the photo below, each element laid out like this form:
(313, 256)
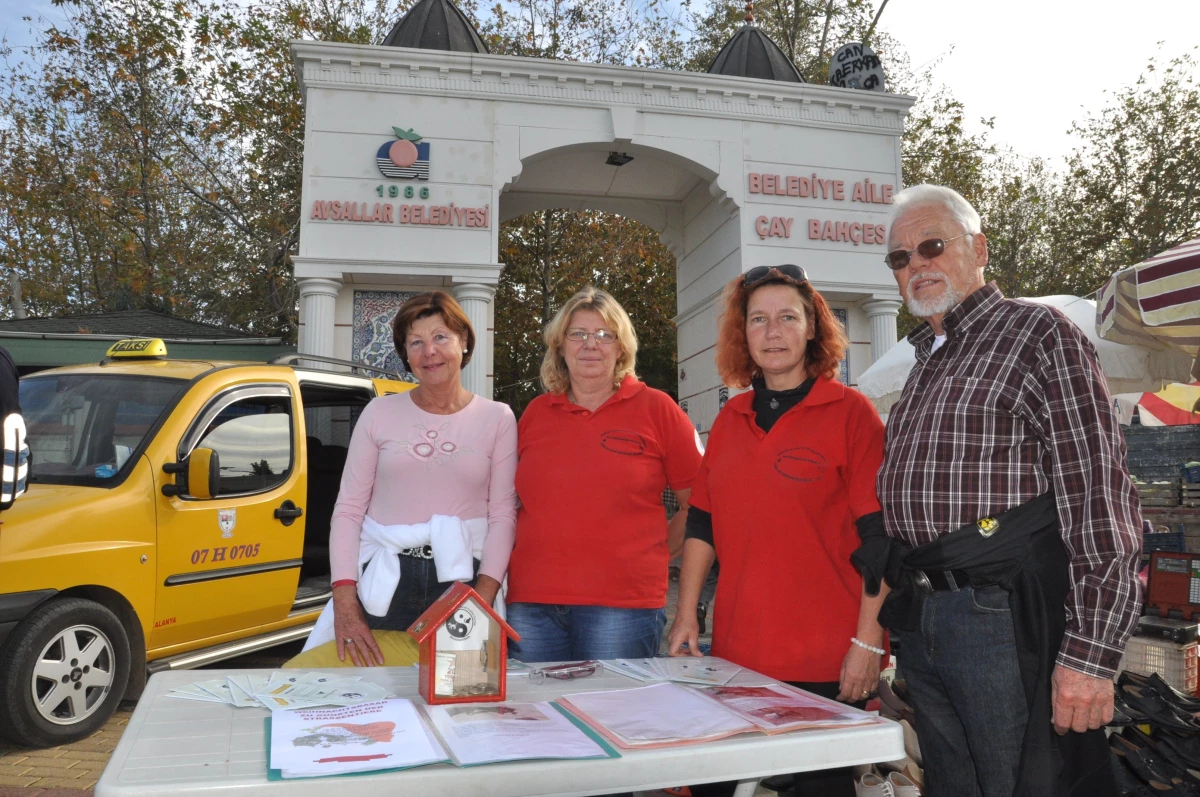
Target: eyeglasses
(930, 249)
(602, 336)
(786, 271)
(566, 672)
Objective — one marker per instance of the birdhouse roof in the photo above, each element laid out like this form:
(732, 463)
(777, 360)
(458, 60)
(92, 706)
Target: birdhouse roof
(443, 607)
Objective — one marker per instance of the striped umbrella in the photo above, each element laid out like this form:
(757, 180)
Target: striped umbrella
(1155, 301)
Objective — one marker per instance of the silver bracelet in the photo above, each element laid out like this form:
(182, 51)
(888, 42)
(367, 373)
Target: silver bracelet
(872, 648)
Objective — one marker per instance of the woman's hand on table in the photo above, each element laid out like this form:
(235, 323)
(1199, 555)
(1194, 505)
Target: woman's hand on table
(684, 639)
(860, 674)
(351, 631)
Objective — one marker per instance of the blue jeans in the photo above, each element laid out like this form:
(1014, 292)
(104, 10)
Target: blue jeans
(552, 632)
(965, 686)
(419, 588)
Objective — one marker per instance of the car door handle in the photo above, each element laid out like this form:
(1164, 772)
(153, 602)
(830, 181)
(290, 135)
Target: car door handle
(287, 512)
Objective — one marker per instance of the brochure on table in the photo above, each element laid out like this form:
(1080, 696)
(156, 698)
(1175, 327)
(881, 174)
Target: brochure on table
(708, 670)
(777, 708)
(388, 734)
(670, 714)
(661, 715)
(282, 689)
(395, 734)
(484, 733)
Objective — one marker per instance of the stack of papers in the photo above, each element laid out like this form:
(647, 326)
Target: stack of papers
(668, 714)
(393, 734)
(483, 733)
(707, 670)
(775, 708)
(335, 741)
(283, 689)
(662, 715)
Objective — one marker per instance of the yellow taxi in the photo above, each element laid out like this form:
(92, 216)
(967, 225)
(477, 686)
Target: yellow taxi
(177, 514)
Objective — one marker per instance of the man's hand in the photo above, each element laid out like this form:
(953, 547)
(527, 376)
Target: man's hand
(487, 587)
(684, 639)
(1080, 702)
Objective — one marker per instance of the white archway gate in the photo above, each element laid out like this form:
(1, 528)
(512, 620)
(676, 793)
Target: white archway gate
(734, 173)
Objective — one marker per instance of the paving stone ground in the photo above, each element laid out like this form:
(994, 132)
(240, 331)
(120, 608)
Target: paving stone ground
(73, 769)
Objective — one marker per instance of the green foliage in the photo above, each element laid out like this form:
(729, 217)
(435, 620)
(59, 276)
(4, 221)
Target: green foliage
(1131, 187)
(151, 153)
(551, 254)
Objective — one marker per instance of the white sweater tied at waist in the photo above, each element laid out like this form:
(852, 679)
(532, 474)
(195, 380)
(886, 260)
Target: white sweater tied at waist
(456, 543)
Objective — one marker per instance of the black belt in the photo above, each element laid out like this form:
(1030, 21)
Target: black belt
(423, 552)
(941, 580)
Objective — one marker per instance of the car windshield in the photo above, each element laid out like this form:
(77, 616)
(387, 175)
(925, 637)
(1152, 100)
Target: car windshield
(84, 428)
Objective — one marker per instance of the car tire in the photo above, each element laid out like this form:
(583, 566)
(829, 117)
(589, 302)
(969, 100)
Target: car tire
(63, 672)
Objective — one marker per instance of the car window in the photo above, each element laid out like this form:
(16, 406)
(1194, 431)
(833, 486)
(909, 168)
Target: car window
(253, 439)
(85, 428)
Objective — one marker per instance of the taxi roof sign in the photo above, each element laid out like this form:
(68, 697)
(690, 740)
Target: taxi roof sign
(138, 348)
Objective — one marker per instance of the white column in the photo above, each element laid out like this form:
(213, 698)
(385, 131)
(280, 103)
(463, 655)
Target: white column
(318, 299)
(882, 312)
(476, 300)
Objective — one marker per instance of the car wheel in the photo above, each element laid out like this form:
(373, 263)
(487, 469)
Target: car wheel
(63, 671)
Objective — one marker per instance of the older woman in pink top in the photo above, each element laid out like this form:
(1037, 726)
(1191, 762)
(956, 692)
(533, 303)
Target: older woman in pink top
(427, 495)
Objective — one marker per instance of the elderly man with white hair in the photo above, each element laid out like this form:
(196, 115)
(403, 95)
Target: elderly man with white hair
(1011, 529)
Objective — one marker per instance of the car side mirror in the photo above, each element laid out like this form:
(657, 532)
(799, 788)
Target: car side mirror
(199, 475)
(204, 473)
(16, 460)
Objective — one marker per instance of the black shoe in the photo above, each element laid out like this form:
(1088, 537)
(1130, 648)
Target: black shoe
(1128, 784)
(1158, 710)
(1150, 767)
(1173, 765)
(1186, 747)
(779, 783)
(1123, 715)
(1183, 700)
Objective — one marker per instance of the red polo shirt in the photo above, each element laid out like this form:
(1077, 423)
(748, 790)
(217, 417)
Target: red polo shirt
(591, 529)
(783, 507)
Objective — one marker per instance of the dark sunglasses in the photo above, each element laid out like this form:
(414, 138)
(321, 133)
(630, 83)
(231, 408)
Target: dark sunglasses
(760, 273)
(927, 249)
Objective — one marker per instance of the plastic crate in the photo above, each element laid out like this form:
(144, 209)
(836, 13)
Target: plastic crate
(1163, 541)
(1174, 662)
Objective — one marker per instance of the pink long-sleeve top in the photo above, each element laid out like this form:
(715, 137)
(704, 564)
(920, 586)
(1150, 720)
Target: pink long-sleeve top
(405, 465)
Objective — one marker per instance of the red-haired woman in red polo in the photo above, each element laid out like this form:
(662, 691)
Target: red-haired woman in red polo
(788, 473)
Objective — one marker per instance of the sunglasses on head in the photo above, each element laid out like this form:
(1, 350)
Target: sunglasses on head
(927, 249)
(761, 273)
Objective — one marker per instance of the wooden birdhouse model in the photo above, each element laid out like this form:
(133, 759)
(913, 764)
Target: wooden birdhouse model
(464, 649)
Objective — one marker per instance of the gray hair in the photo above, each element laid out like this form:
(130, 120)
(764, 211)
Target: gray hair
(925, 195)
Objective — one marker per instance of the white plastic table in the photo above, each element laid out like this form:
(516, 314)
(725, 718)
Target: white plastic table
(185, 747)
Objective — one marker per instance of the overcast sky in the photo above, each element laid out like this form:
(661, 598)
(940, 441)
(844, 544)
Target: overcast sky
(1038, 65)
(1034, 65)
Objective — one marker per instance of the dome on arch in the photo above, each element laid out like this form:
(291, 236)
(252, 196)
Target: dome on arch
(436, 25)
(751, 53)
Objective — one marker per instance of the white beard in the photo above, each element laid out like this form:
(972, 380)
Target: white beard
(924, 308)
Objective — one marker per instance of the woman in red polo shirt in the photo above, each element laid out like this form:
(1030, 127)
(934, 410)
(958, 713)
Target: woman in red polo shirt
(789, 471)
(588, 575)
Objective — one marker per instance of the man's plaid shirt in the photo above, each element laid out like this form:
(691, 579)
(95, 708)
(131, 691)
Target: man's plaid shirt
(1012, 405)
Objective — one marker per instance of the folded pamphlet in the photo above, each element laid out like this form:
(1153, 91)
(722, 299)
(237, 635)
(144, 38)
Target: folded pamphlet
(708, 670)
(284, 690)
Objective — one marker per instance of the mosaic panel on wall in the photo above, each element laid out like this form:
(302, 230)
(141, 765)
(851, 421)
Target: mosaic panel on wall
(843, 316)
(373, 313)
